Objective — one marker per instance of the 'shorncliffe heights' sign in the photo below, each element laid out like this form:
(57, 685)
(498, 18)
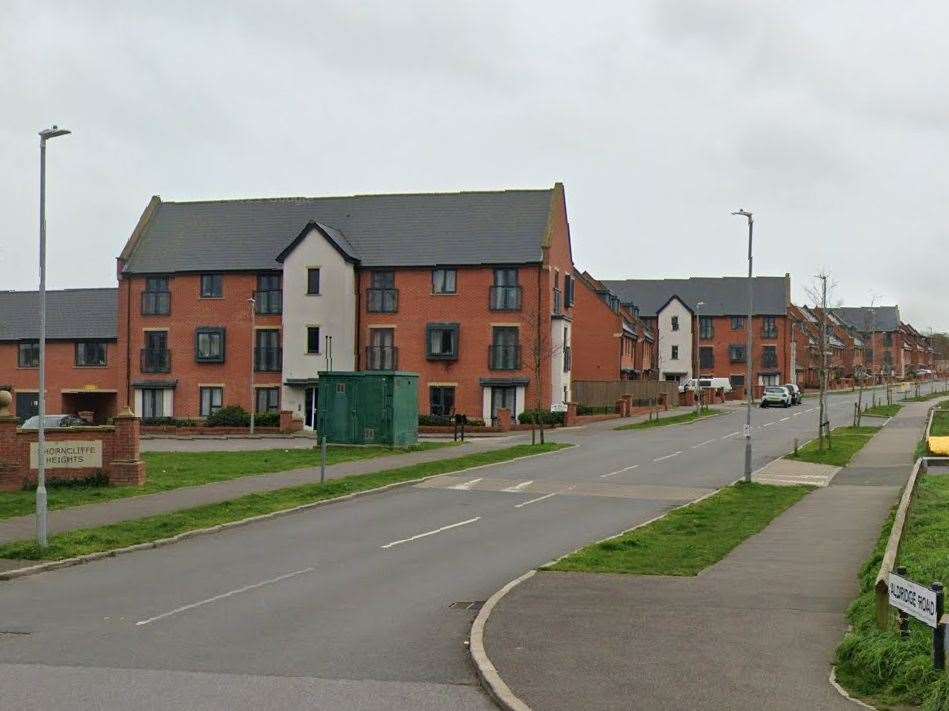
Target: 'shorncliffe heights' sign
(913, 599)
(85, 454)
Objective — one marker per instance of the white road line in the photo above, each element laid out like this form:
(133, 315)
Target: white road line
(518, 487)
(431, 533)
(701, 444)
(466, 486)
(768, 424)
(229, 593)
(618, 471)
(668, 456)
(545, 496)
(784, 419)
(797, 413)
(733, 434)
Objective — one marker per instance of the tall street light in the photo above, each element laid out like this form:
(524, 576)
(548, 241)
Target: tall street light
(253, 358)
(748, 356)
(698, 363)
(41, 432)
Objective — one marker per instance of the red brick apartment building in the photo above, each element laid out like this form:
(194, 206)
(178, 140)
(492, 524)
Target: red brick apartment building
(474, 291)
(611, 342)
(892, 348)
(82, 355)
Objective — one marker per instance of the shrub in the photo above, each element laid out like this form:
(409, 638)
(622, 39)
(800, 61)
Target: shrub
(100, 478)
(266, 419)
(230, 416)
(167, 422)
(446, 421)
(541, 416)
(595, 410)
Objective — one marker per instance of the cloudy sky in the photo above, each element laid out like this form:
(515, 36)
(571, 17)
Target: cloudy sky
(829, 120)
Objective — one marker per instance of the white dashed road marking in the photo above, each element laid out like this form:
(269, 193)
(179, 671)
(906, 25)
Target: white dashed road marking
(430, 533)
(517, 487)
(668, 456)
(466, 486)
(733, 434)
(618, 471)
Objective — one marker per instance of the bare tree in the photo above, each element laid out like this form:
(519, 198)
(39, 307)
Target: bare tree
(818, 292)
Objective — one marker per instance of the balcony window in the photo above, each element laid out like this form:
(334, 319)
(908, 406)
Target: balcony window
(569, 290)
(738, 323)
(209, 345)
(382, 296)
(558, 302)
(28, 354)
(769, 357)
(268, 356)
(504, 353)
(269, 295)
(442, 339)
(156, 299)
(736, 354)
(91, 354)
(313, 281)
(769, 328)
(212, 400)
(505, 294)
(155, 356)
(706, 358)
(441, 400)
(267, 401)
(381, 353)
(444, 281)
(212, 286)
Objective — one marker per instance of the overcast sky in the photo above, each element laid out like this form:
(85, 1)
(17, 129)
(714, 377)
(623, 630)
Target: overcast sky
(828, 120)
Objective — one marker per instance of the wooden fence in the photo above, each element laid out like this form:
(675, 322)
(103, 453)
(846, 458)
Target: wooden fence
(594, 393)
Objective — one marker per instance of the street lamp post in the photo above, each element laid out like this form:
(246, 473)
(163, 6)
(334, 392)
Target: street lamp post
(698, 362)
(748, 356)
(41, 431)
(253, 358)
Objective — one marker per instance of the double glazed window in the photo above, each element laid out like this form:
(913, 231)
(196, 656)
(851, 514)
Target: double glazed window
(504, 353)
(212, 286)
(674, 355)
(28, 354)
(269, 294)
(153, 403)
(442, 341)
(769, 327)
(312, 339)
(738, 323)
(313, 281)
(209, 345)
(381, 353)
(90, 354)
(505, 295)
(706, 327)
(155, 355)
(444, 281)
(267, 352)
(383, 297)
(737, 381)
(706, 358)
(442, 399)
(675, 323)
(268, 400)
(156, 299)
(736, 354)
(212, 400)
(769, 357)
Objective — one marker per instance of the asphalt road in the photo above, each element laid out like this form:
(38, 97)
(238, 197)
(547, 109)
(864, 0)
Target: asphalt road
(349, 606)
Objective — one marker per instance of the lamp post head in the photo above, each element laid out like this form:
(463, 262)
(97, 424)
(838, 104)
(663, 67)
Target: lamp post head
(53, 132)
(743, 213)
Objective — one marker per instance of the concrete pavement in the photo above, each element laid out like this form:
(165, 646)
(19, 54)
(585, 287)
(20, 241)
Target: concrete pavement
(757, 630)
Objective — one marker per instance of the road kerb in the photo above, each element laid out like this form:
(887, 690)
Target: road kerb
(160, 542)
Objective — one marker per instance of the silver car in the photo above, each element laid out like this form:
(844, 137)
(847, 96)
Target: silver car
(776, 395)
(54, 421)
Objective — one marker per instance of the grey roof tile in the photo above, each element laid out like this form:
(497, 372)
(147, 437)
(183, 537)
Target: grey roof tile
(71, 314)
(723, 296)
(879, 318)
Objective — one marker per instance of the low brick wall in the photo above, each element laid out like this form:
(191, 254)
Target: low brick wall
(206, 431)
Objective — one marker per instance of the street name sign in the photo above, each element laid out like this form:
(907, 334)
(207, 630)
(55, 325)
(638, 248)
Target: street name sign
(69, 454)
(913, 599)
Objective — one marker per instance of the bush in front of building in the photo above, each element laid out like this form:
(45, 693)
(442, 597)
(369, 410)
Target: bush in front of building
(446, 421)
(167, 422)
(530, 417)
(237, 416)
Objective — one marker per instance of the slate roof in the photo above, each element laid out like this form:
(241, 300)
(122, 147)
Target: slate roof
(71, 314)
(723, 296)
(501, 227)
(884, 318)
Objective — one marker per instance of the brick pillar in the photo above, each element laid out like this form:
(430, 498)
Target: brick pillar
(570, 416)
(127, 467)
(288, 423)
(504, 419)
(10, 478)
(622, 407)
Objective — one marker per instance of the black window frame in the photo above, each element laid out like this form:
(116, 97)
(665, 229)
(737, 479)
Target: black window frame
(267, 358)
(674, 353)
(309, 342)
(216, 282)
(738, 323)
(706, 357)
(270, 407)
(769, 356)
(382, 297)
(218, 331)
(445, 271)
(105, 354)
(212, 408)
(706, 328)
(675, 323)
(737, 381)
(382, 353)
(31, 345)
(569, 290)
(310, 272)
(505, 294)
(737, 353)
(769, 327)
(268, 299)
(441, 406)
(504, 353)
(454, 335)
(156, 298)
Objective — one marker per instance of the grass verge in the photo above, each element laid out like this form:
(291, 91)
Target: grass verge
(173, 470)
(688, 539)
(845, 443)
(930, 396)
(940, 426)
(876, 664)
(128, 533)
(674, 420)
(882, 410)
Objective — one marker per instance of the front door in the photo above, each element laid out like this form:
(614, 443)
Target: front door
(310, 403)
(503, 397)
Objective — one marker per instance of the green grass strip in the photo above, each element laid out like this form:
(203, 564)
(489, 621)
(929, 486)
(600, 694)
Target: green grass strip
(173, 470)
(845, 442)
(883, 410)
(930, 396)
(689, 539)
(674, 420)
(940, 426)
(876, 664)
(127, 533)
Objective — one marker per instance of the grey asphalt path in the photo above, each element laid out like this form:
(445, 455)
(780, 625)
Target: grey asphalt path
(352, 598)
(757, 630)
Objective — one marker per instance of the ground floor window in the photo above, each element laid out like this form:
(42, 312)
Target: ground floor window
(503, 398)
(737, 381)
(27, 406)
(153, 403)
(212, 400)
(769, 379)
(442, 400)
(268, 400)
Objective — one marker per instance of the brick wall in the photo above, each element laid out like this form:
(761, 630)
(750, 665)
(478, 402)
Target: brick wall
(596, 337)
(723, 336)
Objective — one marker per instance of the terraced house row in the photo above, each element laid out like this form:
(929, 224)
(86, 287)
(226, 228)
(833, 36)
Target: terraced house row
(244, 302)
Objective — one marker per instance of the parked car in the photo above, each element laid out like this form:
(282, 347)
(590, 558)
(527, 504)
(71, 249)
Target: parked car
(705, 384)
(797, 397)
(776, 395)
(53, 421)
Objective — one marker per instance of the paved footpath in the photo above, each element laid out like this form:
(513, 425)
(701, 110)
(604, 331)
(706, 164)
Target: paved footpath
(757, 630)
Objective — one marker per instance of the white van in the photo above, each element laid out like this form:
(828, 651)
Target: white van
(724, 384)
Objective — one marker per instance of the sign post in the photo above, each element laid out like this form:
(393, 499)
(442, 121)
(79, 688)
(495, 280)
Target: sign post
(926, 605)
(939, 633)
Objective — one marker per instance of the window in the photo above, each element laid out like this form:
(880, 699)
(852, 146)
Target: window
(736, 354)
(383, 297)
(769, 357)
(313, 281)
(312, 339)
(212, 400)
(738, 323)
(444, 281)
(29, 354)
(212, 286)
(567, 353)
(505, 295)
(268, 356)
(268, 400)
(269, 294)
(504, 353)
(153, 403)
(569, 290)
(381, 353)
(675, 353)
(737, 381)
(888, 340)
(155, 355)
(442, 341)
(209, 345)
(675, 323)
(769, 327)
(706, 357)
(27, 406)
(442, 400)
(156, 299)
(771, 379)
(706, 327)
(91, 354)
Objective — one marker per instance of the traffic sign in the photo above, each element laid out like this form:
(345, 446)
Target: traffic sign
(913, 599)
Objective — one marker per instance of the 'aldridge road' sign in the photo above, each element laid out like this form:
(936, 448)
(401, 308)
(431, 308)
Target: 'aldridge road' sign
(69, 455)
(913, 599)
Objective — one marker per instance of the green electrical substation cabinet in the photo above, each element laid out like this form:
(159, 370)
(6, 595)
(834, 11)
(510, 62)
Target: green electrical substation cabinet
(368, 407)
